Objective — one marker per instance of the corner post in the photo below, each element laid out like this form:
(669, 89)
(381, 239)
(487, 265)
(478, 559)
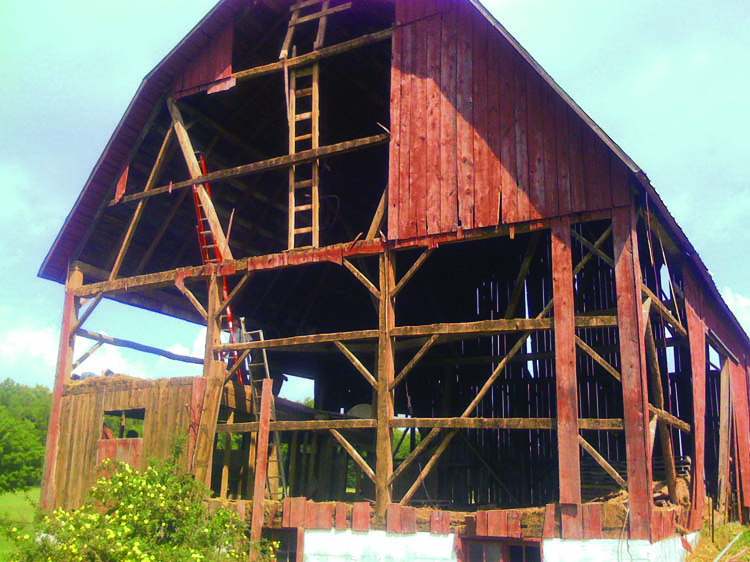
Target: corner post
(62, 375)
(697, 336)
(213, 326)
(384, 466)
(566, 381)
(631, 329)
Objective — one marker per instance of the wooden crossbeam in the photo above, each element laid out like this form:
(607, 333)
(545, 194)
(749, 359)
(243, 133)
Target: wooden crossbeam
(86, 354)
(362, 278)
(591, 247)
(364, 371)
(668, 418)
(236, 291)
(411, 272)
(598, 424)
(354, 454)
(303, 425)
(191, 297)
(661, 309)
(496, 373)
(414, 360)
(498, 326)
(234, 368)
(86, 313)
(603, 463)
(280, 162)
(428, 467)
(119, 342)
(195, 172)
(300, 340)
(523, 271)
(377, 220)
(135, 219)
(598, 358)
(309, 58)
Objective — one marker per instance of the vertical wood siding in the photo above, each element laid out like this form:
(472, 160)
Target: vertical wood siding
(478, 137)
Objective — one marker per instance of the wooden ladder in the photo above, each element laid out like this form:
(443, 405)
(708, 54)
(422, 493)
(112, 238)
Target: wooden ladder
(303, 115)
(275, 477)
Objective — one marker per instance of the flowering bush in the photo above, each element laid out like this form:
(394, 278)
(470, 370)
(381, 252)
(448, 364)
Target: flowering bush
(151, 516)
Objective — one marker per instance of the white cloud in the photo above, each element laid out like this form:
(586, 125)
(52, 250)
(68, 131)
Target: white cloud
(24, 346)
(740, 305)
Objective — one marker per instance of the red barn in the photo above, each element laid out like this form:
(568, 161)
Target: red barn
(514, 346)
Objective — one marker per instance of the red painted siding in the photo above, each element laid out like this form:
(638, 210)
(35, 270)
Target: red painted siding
(478, 137)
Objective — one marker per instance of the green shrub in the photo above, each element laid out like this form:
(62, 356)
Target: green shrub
(155, 515)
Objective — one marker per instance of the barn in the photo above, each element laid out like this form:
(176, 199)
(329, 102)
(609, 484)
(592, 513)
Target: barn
(516, 352)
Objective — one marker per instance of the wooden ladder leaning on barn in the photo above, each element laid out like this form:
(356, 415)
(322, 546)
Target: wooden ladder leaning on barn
(275, 477)
(302, 85)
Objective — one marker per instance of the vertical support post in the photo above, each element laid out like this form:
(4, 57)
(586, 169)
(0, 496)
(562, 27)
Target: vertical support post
(697, 336)
(384, 463)
(724, 436)
(62, 375)
(213, 371)
(213, 325)
(631, 328)
(569, 468)
(261, 460)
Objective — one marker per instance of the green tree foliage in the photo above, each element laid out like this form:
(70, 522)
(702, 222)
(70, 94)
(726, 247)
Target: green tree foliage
(21, 454)
(24, 415)
(154, 515)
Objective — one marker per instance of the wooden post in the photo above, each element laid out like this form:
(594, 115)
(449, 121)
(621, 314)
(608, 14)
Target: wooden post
(664, 430)
(62, 375)
(261, 461)
(213, 325)
(635, 397)
(724, 435)
(566, 382)
(384, 466)
(697, 336)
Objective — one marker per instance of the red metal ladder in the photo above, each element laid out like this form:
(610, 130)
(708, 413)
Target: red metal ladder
(211, 253)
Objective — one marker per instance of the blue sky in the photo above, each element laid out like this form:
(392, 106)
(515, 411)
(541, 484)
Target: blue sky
(667, 80)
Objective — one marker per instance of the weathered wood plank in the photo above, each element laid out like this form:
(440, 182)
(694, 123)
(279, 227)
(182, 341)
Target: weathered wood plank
(48, 499)
(300, 340)
(566, 381)
(300, 425)
(354, 454)
(464, 117)
(448, 119)
(630, 327)
(119, 342)
(302, 157)
(696, 336)
(261, 460)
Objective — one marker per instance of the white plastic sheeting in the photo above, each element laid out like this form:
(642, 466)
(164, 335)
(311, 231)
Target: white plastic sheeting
(377, 546)
(613, 550)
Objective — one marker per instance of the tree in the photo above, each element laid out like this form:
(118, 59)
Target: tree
(21, 454)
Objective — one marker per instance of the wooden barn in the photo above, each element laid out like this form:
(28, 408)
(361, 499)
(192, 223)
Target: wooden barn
(515, 349)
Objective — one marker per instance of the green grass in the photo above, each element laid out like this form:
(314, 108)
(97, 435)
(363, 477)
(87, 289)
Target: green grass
(16, 509)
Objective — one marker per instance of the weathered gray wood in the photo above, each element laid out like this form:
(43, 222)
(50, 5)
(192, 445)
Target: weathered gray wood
(137, 346)
(354, 360)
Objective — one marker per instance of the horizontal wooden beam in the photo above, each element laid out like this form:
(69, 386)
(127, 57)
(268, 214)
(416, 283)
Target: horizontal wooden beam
(501, 325)
(301, 425)
(277, 163)
(119, 342)
(600, 424)
(309, 58)
(300, 340)
(334, 253)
